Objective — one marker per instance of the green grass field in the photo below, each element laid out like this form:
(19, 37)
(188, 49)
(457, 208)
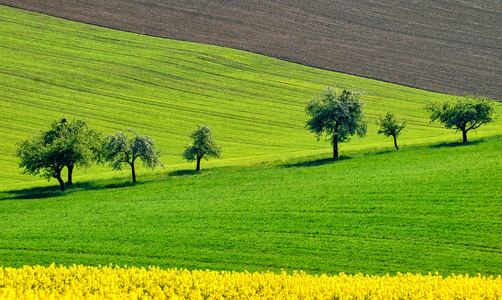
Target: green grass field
(272, 202)
(52, 68)
(420, 210)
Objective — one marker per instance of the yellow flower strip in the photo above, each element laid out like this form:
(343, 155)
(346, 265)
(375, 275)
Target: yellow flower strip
(78, 282)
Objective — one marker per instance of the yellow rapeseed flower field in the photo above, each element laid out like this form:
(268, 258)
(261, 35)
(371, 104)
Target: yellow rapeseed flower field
(81, 282)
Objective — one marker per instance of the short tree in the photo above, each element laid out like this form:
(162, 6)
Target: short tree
(463, 113)
(83, 142)
(47, 159)
(338, 115)
(120, 149)
(390, 127)
(65, 144)
(203, 146)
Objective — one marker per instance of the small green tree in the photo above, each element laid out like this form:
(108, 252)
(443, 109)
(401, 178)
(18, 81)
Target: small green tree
(390, 127)
(65, 144)
(463, 113)
(203, 146)
(47, 159)
(83, 142)
(120, 149)
(338, 115)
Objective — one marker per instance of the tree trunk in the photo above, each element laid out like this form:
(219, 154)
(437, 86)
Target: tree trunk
(395, 142)
(70, 174)
(335, 145)
(464, 136)
(133, 172)
(198, 164)
(60, 180)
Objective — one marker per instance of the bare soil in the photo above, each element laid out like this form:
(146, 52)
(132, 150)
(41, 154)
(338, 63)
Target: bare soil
(449, 46)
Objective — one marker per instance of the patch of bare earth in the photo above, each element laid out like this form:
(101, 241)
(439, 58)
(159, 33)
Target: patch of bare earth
(446, 46)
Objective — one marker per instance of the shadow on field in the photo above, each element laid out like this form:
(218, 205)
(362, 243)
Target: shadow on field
(99, 185)
(32, 193)
(314, 163)
(54, 191)
(183, 172)
(456, 144)
(120, 185)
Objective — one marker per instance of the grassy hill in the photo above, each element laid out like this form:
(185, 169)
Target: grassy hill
(52, 68)
(272, 202)
(445, 46)
(418, 210)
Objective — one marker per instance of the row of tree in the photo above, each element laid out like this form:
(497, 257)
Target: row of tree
(72, 143)
(337, 115)
(334, 114)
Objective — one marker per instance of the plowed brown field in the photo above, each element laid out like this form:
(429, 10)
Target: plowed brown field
(450, 46)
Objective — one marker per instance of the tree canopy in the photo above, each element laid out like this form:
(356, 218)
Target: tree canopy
(203, 146)
(390, 127)
(338, 115)
(120, 149)
(462, 113)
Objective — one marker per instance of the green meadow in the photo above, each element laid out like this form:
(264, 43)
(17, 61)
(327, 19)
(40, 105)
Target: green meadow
(273, 201)
(53, 68)
(428, 209)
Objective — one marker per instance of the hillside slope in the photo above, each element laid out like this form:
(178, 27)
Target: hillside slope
(418, 210)
(52, 68)
(446, 46)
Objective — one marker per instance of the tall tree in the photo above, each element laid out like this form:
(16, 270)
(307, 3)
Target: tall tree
(203, 146)
(338, 115)
(390, 127)
(463, 113)
(120, 149)
(84, 144)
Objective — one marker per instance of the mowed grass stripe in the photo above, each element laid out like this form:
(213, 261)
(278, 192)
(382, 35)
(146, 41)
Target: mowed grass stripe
(53, 68)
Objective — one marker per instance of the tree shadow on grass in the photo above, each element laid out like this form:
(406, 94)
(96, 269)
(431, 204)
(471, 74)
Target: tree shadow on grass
(386, 152)
(183, 172)
(100, 185)
(120, 185)
(32, 193)
(318, 162)
(455, 144)
(54, 191)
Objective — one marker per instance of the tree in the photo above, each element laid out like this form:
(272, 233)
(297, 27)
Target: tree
(120, 149)
(65, 144)
(47, 159)
(336, 115)
(390, 127)
(464, 113)
(83, 143)
(203, 146)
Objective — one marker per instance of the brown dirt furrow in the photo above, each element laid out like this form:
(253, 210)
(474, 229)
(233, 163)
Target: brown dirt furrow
(449, 46)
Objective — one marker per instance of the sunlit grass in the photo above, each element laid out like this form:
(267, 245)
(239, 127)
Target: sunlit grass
(52, 68)
(417, 210)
